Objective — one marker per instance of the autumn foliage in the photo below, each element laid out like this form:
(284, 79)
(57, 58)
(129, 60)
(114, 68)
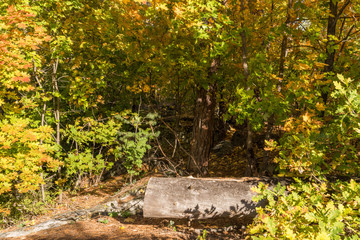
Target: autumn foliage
(81, 80)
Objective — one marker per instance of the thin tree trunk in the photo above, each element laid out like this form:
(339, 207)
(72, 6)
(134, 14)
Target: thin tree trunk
(204, 122)
(42, 187)
(330, 52)
(177, 104)
(56, 105)
(333, 18)
(283, 54)
(220, 123)
(56, 101)
(251, 168)
(41, 142)
(177, 114)
(284, 46)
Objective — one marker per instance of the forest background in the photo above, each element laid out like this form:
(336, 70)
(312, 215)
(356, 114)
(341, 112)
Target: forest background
(92, 88)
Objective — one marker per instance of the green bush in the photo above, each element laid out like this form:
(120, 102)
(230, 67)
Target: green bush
(135, 143)
(308, 210)
(92, 145)
(21, 207)
(321, 142)
(97, 145)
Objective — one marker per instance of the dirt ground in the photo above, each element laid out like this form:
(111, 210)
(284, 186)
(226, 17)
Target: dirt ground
(107, 229)
(136, 227)
(130, 227)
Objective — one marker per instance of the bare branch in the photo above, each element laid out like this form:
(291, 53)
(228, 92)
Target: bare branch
(344, 40)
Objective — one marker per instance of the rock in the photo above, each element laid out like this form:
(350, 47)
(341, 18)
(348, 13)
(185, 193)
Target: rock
(130, 202)
(72, 216)
(33, 229)
(238, 139)
(222, 148)
(132, 207)
(213, 230)
(229, 229)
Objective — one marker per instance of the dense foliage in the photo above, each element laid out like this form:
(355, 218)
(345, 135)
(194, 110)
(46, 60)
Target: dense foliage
(309, 211)
(85, 86)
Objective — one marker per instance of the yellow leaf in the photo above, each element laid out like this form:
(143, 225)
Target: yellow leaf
(357, 130)
(129, 220)
(306, 117)
(302, 66)
(163, 7)
(178, 12)
(320, 106)
(323, 236)
(319, 64)
(290, 233)
(339, 137)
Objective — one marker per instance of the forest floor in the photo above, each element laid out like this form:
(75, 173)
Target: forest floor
(137, 227)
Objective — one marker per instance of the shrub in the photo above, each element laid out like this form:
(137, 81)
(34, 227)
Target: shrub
(135, 143)
(25, 153)
(309, 210)
(92, 144)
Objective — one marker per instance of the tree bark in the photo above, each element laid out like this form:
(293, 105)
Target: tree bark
(42, 114)
(251, 169)
(334, 15)
(56, 105)
(284, 47)
(56, 101)
(220, 124)
(204, 123)
(283, 55)
(331, 31)
(204, 198)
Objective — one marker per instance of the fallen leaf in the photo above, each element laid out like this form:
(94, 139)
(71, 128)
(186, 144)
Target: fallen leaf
(129, 220)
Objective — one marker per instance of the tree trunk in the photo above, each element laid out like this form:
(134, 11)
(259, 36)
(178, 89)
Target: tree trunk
(204, 124)
(203, 129)
(56, 101)
(283, 54)
(284, 48)
(251, 169)
(331, 34)
(41, 142)
(220, 125)
(56, 105)
(331, 31)
(330, 52)
(42, 114)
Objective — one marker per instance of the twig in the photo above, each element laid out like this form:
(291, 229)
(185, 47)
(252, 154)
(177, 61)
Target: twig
(177, 138)
(174, 151)
(161, 150)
